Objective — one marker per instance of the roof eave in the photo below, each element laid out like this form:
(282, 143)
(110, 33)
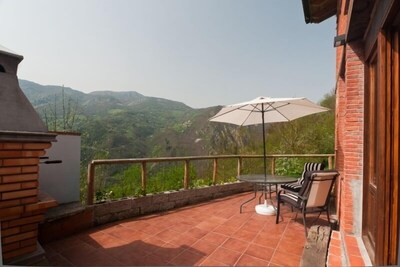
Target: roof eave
(316, 11)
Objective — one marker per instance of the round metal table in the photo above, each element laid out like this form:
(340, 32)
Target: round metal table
(259, 180)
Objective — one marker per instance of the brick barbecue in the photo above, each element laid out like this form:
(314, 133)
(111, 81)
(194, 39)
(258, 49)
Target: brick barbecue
(23, 140)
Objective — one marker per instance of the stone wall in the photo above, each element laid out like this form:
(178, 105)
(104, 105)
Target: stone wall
(126, 208)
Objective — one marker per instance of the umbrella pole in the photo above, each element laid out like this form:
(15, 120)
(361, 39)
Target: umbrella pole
(265, 153)
(264, 209)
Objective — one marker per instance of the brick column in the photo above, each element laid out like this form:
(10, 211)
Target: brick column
(21, 205)
(350, 139)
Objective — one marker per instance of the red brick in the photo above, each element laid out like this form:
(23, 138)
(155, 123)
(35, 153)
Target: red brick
(20, 178)
(10, 231)
(26, 220)
(335, 235)
(9, 203)
(356, 261)
(11, 211)
(36, 146)
(334, 261)
(19, 194)
(10, 170)
(30, 169)
(10, 187)
(42, 205)
(5, 225)
(11, 154)
(26, 185)
(18, 252)
(12, 146)
(19, 237)
(335, 250)
(29, 227)
(20, 162)
(33, 153)
(28, 242)
(29, 200)
(12, 246)
(351, 240)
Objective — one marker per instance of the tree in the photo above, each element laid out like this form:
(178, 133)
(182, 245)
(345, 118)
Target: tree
(69, 111)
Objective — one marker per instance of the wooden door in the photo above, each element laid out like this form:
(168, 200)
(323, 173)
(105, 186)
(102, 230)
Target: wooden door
(370, 151)
(393, 143)
(380, 228)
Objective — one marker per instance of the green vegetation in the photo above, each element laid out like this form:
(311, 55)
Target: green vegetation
(130, 125)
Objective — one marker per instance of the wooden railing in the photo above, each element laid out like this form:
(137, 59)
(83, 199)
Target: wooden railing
(186, 161)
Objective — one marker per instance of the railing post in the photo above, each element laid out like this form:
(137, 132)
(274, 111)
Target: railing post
(273, 166)
(330, 162)
(215, 171)
(186, 175)
(239, 166)
(90, 181)
(144, 178)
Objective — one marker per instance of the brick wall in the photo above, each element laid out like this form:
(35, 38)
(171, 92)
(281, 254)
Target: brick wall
(21, 205)
(348, 145)
(352, 139)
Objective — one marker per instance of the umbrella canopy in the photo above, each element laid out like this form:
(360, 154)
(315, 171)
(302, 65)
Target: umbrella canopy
(274, 110)
(266, 110)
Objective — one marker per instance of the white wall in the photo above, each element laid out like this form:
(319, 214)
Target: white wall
(61, 181)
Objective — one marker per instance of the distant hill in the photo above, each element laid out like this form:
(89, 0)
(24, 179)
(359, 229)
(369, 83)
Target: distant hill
(129, 124)
(132, 125)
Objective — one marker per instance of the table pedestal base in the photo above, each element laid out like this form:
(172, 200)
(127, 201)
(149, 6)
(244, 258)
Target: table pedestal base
(265, 209)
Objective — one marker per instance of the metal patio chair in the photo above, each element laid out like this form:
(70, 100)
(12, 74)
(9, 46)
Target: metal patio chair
(313, 196)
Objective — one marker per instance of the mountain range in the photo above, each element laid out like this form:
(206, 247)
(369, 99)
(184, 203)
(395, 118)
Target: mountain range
(131, 125)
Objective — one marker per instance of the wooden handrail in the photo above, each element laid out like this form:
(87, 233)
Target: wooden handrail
(186, 161)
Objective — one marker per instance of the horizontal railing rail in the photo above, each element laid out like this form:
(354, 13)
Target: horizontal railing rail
(187, 160)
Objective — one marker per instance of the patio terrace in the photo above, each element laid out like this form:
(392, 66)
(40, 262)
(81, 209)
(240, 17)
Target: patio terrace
(211, 233)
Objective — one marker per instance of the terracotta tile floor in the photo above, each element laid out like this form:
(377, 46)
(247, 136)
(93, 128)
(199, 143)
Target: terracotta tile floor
(208, 234)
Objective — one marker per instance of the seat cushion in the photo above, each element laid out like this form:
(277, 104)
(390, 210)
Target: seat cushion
(291, 198)
(294, 187)
(310, 166)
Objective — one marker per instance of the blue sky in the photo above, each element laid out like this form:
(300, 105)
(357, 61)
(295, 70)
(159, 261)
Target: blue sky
(202, 53)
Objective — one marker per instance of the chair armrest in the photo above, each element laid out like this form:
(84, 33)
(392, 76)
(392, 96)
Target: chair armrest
(280, 191)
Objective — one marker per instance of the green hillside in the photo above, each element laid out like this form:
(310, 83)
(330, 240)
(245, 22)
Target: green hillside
(130, 125)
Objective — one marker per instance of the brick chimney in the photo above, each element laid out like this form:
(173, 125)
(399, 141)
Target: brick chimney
(23, 140)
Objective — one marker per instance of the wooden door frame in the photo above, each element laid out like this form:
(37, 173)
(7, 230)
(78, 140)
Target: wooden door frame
(369, 146)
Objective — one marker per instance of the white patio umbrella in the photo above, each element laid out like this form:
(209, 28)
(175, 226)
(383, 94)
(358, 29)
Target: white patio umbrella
(266, 110)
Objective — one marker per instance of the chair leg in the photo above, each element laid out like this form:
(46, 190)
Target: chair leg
(277, 211)
(327, 215)
(304, 221)
(316, 219)
(297, 212)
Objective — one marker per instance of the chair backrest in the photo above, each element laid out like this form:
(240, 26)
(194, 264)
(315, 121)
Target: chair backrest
(310, 166)
(318, 186)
